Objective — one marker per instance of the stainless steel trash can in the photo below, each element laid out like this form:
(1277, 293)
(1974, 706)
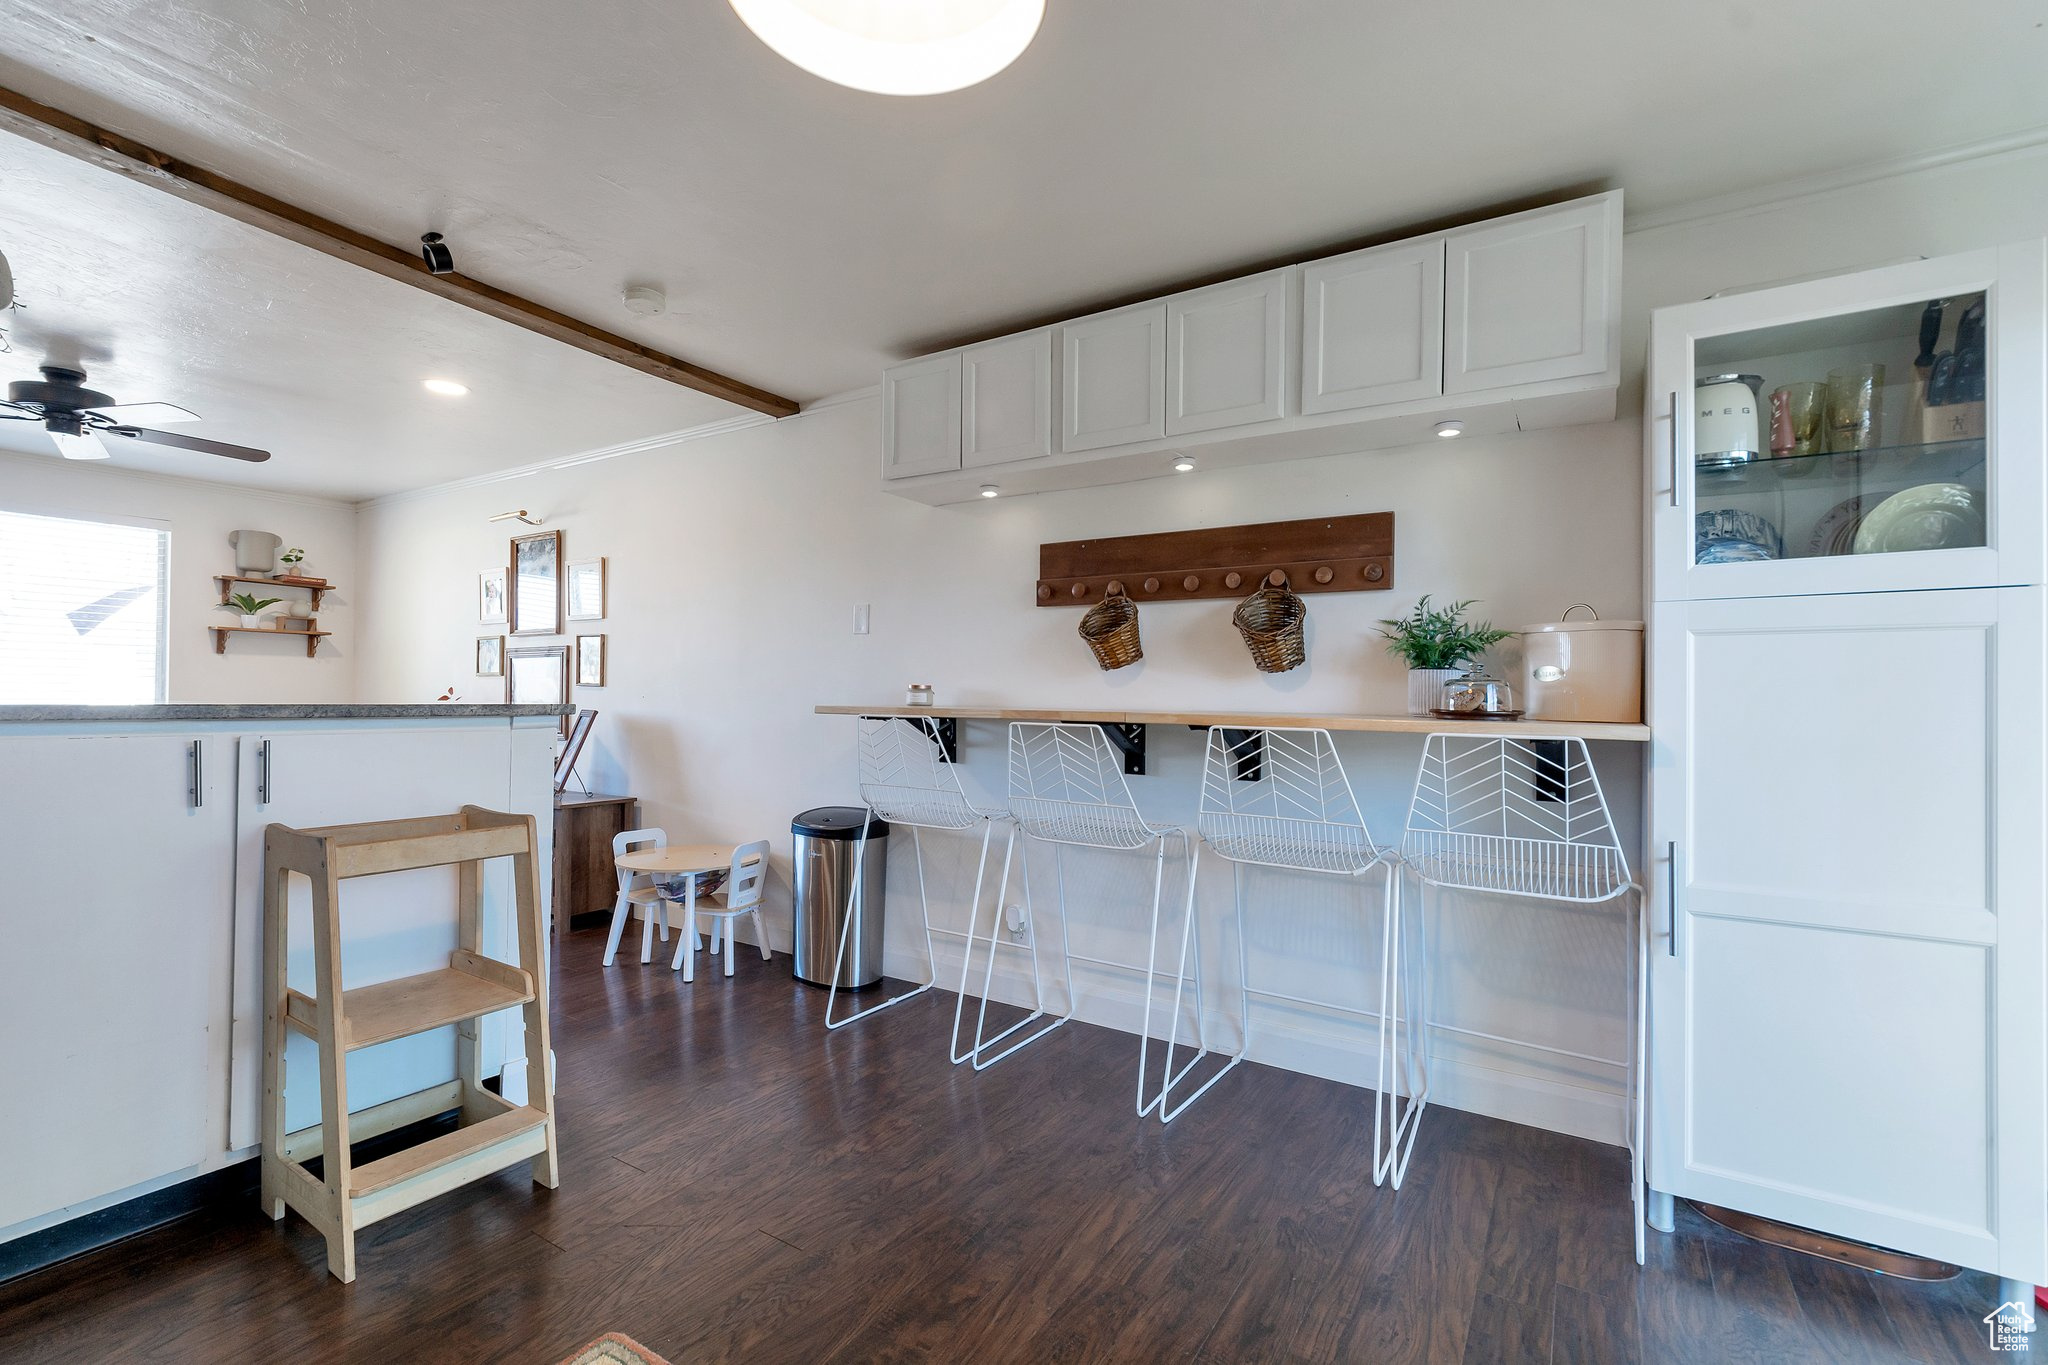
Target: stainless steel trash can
(825, 843)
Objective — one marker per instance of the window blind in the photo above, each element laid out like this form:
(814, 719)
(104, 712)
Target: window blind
(81, 611)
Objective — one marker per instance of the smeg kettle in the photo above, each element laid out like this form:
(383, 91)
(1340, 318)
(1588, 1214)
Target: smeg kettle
(1727, 425)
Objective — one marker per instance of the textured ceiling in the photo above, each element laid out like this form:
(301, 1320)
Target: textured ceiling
(806, 233)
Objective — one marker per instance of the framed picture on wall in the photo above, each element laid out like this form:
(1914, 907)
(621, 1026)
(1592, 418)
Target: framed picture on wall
(590, 661)
(490, 597)
(536, 587)
(490, 656)
(538, 675)
(586, 590)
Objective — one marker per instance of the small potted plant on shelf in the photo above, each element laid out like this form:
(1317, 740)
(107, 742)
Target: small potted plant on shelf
(1437, 644)
(292, 559)
(249, 604)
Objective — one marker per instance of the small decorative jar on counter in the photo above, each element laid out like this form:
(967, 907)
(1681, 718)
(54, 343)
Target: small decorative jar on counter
(920, 694)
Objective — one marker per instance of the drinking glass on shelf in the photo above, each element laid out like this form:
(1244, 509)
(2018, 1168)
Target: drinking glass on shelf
(1799, 419)
(1855, 414)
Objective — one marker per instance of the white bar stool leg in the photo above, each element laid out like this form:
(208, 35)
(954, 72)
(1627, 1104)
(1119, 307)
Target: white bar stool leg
(1399, 1124)
(1191, 945)
(1193, 855)
(988, 830)
(856, 896)
(981, 1042)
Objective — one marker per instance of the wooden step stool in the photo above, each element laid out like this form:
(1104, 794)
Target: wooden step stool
(494, 1134)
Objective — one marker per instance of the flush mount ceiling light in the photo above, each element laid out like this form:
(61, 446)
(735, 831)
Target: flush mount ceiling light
(1450, 429)
(1183, 464)
(447, 388)
(644, 300)
(896, 47)
(989, 490)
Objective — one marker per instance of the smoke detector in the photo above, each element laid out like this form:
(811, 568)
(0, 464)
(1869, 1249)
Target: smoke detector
(644, 300)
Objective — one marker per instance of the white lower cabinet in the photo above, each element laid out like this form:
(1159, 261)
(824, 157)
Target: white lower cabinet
(1847, 979)
(110, 1023)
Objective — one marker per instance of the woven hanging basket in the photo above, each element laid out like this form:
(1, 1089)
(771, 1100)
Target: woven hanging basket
(1270, 621)
(1111, 630)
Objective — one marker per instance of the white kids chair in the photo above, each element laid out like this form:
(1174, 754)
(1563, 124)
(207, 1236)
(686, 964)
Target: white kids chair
(637, 889)
(904, 780)
(1277, 798)
(1524, 818)
(1067, 788)
(742, 894)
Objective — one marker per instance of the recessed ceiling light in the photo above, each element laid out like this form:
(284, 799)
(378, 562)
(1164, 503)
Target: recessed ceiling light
(1449, 429)
(447, 388)
(989, 490)
(1182, 464)
(896, 47)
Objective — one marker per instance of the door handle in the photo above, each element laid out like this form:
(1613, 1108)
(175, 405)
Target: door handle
(197, 791)
(263, 773)
(1674, 447)
(1671, 891)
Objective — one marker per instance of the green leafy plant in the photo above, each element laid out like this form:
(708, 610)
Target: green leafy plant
(249, 603)
(290, 558)
(1442, 638)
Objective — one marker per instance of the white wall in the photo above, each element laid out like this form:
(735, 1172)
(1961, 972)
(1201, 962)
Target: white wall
(200, 515)
(737, 560)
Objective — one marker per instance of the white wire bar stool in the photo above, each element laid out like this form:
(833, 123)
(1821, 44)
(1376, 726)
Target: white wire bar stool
(905, 780)
(1525, 818)
(1271, 798)
(1067, 788)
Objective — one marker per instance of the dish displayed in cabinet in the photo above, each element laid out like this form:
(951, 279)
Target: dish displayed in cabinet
(1933, 516)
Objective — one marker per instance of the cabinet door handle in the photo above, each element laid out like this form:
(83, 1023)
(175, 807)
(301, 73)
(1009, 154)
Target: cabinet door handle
(197, 791)
(1671, 890)
(263, 773)
(1674, 447)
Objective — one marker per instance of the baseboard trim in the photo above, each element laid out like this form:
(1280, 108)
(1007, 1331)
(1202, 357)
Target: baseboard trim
(220, 1189)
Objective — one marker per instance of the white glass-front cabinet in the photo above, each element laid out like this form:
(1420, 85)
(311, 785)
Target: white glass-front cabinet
(1894, 437)
(1847, 775)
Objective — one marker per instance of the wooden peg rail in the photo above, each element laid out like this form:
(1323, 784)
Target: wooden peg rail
(1318, 554)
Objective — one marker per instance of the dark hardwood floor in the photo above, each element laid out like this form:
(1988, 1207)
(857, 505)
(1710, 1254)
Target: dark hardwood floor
(737, 1186)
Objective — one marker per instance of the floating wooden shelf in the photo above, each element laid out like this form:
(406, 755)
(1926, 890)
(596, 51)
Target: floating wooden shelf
(318, 589)
(311, 637)
(494, 1133)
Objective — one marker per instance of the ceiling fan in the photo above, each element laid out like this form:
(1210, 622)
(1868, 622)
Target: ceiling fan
(77, 417)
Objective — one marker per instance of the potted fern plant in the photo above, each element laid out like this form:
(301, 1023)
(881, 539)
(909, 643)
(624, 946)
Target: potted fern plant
(1437, 644)
(248, 603)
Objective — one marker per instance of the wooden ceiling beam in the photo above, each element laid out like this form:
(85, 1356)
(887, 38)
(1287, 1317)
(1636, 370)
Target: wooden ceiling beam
(195, 185)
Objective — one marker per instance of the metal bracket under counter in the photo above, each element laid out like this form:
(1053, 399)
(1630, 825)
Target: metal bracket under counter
(1128, 739)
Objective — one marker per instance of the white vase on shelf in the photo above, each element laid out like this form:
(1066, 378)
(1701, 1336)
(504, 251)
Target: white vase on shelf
(250, 621)
(1425, 685)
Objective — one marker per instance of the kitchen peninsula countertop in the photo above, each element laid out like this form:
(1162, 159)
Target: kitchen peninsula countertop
(59, 713)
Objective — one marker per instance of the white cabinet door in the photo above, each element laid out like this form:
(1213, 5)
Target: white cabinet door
(1847, 963)
(1533, 297)
(1372, 327)
(393, 925)
(1812, 507)
(1006, 400)
(115, 906)
(1226, 354)
(921, 417)
(1113, 378)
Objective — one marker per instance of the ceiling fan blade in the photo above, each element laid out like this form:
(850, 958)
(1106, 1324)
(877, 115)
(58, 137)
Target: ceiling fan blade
(130, 414)
(15, 412)
(171, 438)
(80, 445)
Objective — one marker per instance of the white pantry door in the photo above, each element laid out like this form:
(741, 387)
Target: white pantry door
(1848, 962)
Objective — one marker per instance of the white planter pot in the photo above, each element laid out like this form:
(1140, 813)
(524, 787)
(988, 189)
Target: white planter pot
(1425, 685)
(249, 622)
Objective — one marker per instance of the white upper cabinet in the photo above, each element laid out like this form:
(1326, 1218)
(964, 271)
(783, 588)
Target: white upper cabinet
(921, 417)
(1372, 327)
(1879, 431)
(1113, 376)
(1531, 297)
(1006, 400)
(1226, 354)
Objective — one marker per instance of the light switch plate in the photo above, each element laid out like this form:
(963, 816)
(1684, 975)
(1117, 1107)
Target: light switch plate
(860, 619)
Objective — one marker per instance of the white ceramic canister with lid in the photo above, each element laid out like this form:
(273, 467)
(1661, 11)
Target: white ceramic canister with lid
(1583, 670)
